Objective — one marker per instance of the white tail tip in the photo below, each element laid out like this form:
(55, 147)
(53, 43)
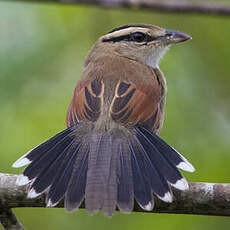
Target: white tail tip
(50, 204)
(22, 180)
(186, 166)
(149, 206)
(167, 197)
(21, 162)
(32, 194)
(181, 184)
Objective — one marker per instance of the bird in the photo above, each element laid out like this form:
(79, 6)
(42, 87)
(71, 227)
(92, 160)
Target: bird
(110, 155)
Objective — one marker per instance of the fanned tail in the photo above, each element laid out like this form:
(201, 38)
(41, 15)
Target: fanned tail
(108, 170)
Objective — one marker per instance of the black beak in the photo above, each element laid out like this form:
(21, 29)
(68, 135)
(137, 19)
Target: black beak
(174, 36)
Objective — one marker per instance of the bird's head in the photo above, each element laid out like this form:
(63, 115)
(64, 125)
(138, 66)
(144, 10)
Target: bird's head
(141, 42)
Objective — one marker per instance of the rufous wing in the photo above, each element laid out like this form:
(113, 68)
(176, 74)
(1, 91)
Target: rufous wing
(137, 104)
(86, 103)
(132, 103)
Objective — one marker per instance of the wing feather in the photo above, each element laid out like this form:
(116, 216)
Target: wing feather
(136, 104)
(86, 103)
(131, 101)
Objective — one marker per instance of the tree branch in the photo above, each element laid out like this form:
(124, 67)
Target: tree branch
(7, 217)
(201, 198)
(9, 220)
(159, 6)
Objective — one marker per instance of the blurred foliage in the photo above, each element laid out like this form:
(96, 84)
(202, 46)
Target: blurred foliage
(42, 48)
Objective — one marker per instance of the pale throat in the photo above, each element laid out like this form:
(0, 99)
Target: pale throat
(153, 57)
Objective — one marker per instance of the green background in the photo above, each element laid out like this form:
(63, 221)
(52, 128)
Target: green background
(42, 48)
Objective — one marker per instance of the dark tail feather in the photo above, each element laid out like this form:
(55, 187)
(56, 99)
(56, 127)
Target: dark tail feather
(159, 185)
(41, 157)
(110, 201)
(54, 167)
(164, 167)
(108, 170)
(42, 148)
(161, 161)
(101, 185)
(167, 151)
(47, 158)
(46, 177)
(125, 178)
(61, 180)
(142, 185)
(76, 189)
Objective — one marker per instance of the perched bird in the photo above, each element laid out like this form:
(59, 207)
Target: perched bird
(111, 154)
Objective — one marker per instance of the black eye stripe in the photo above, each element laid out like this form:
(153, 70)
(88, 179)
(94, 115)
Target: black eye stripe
(134, 37)
(137, 37)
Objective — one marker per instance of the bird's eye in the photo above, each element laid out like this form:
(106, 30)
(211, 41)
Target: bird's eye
(138, 37)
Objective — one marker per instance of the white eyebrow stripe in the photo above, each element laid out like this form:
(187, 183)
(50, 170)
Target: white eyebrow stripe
(124, 32)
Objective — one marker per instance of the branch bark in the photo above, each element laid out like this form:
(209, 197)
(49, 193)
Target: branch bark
(7, 217)
(9, 220)
(201, 198)
(159, 6)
